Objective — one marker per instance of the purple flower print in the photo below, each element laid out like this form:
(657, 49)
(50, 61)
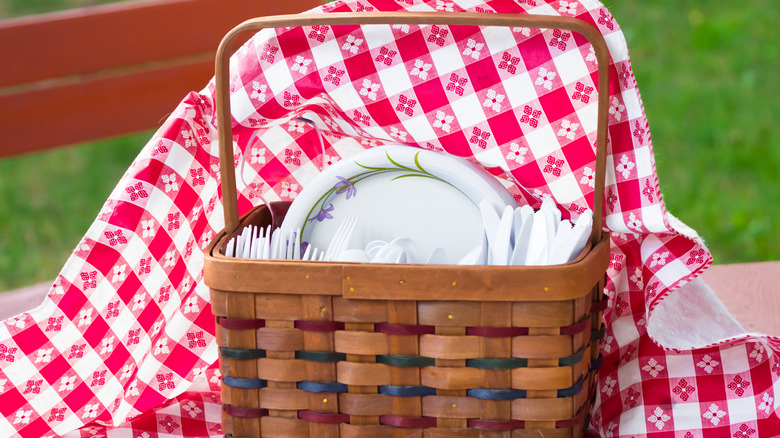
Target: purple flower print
(345, 185)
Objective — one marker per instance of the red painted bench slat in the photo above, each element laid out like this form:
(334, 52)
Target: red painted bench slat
(103, 71)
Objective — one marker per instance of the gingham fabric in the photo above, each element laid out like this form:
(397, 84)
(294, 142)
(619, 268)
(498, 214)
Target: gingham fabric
(124, 343)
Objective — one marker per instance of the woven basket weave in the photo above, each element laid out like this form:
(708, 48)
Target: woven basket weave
(317, 349)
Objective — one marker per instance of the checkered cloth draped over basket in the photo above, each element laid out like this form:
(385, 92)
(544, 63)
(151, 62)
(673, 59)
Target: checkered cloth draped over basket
(124, 343)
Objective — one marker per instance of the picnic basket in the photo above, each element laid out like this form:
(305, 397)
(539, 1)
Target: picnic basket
(317, 349)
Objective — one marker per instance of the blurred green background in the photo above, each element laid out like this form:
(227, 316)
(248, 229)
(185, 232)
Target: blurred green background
(707, 71)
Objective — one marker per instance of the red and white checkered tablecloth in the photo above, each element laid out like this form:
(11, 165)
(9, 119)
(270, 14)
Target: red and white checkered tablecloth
(123, 345)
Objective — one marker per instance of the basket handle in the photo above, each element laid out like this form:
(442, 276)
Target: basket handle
(228, 178)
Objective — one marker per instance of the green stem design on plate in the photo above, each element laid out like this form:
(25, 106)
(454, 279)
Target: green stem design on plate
(347, 185)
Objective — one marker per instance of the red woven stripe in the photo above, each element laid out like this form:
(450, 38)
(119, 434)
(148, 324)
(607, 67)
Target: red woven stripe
(402, 329)
(236, 411)
(598, 306)
(413, 422)
(240, 324)
(571, 422)
(497, 332)
(323, 417)
(575, 328)
(319, 326)
(495, 424)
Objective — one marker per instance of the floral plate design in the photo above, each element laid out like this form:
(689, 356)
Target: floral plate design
(399, 191)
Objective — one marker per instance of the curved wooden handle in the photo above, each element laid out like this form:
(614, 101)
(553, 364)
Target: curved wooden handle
(229, 195)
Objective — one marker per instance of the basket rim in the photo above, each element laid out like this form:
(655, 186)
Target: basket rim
(405, 282)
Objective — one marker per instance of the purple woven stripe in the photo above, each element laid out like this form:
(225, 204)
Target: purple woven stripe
(319, 326)
(235, 411)
(240, 324)
(412, 422)
(495, 424)
(509, 332)
(571, 422)
(598, 306)
(323, 417)
(402, 329)
(497, 332)
(575, 328)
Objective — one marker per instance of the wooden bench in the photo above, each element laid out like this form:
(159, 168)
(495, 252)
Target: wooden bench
(103, 71)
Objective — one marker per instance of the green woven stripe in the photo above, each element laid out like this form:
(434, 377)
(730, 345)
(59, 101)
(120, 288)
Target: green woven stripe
(320, 356)
(497, 364)
(571, 360)
(397, 360)
(234, 353)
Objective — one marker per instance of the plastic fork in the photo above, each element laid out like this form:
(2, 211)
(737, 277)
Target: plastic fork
(341, 238)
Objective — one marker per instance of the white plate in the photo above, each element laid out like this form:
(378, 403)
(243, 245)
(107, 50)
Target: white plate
(399, 191)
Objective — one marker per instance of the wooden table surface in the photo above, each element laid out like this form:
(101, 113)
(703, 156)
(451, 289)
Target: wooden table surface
(750, 291)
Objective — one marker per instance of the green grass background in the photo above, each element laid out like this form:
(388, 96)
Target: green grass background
(708, 74)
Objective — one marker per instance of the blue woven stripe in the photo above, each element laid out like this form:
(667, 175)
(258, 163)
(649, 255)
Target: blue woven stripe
(570, 392)
(236, 382)
(322, 386)
(407, 391)
(496, 394)
(595, 364)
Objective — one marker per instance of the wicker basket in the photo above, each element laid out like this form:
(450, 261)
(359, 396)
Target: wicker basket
(316, 349)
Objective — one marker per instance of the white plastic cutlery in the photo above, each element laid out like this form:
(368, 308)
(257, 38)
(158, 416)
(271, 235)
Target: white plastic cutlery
(341, 238)
(581, 233)
(537, 242)
(513, 236)
(490, 221)
(563, 245)
(502, 247)
(478, 255)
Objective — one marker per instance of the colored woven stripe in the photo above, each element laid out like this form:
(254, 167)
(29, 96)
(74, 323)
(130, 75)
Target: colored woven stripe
(413, 422)
(407, 391)
(496, 394)
(319, 326)
(598, 306)
(333, 387)
(320, 356)
(497, 364)
(397, 360)
(510, 332)
(597, 335)
(474, 423)
(575, 328)
(402, 329)
(573, 359)
(595, 364)
(571, 422)
(240, 324)
(571, 391)
(239, 354)
(244, 412)
(236, 382)
(497, 332)
(323, 417)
